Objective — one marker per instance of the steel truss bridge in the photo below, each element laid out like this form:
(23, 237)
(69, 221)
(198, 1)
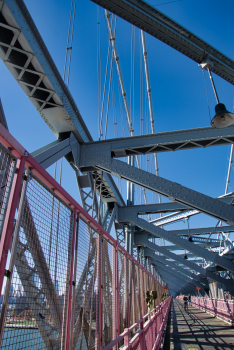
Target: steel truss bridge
(44, 209)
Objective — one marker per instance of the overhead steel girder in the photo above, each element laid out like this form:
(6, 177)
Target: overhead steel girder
(144, 209)
(25, 54)
(176, 192)
(203, 231)
(174, 280)
(185, 244)
(173, 217)
(192, 277)
(142, 240)
(165, 142)
(51, 153)
(110, 192)
(37, 73)
(172, 190)
(162, 27)
(207, 243)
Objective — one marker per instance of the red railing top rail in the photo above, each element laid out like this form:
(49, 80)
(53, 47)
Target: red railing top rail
(20, 152)
(128, 330)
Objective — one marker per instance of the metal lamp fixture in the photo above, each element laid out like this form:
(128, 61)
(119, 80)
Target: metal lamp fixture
(223, 118)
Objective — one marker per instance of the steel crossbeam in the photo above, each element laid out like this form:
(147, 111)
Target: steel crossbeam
(172, 190)
(40, 79)
(144, 209)
(174, 279)
(185, 244)
(203, 231)
(165, 142)
(162, 27)
(195, 279)
(51, 153)
(143, 240)
(200, 243)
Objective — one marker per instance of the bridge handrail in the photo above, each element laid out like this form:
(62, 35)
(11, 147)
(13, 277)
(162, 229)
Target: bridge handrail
(8, 141)
(104, 256)
(221, 308)
(161, 312)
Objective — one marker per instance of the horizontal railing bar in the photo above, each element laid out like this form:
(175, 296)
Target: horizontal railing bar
(127, 331)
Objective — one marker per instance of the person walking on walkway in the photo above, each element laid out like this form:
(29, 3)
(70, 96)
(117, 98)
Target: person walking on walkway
(185, 302)
(189, 300)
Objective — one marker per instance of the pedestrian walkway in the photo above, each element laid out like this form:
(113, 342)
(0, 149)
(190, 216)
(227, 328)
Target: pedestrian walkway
(197, 330)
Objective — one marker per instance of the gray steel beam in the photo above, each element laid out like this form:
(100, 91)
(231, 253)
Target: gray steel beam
(166, 141)
(51, 153)
(162, 27)
(176, 192)
(40, 79)
(58, 110)
(110, 192)
(185, 244)
(144, 209)
(177, 216)
(208, 205)
(200, 244)
(192, 277)
(174, 280)
(203, 231)
(142, 240)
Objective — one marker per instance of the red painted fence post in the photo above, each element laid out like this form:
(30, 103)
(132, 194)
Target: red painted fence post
(68, 321)
(9, 218)
(100, 291)
(126, 338)
(117, 292)
(142, 335)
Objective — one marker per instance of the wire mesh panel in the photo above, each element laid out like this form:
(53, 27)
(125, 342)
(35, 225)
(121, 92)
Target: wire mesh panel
(37, 303)
(109, 292)
(7, 169)
(123, 289)
(86, 311)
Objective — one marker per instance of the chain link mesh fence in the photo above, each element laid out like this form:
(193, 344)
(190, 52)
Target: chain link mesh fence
(7, 169)
(37, 302)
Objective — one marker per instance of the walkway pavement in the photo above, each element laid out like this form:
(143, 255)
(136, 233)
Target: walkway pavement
(196, 330)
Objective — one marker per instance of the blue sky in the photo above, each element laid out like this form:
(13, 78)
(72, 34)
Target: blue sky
(177, 83)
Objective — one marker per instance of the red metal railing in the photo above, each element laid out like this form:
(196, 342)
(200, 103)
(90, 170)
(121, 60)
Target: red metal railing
(69, 283)
(221, 308)
(150, 333)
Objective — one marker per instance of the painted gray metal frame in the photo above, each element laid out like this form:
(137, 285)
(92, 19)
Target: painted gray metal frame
(48, 92)
(162, 27)
(174, 280)
(185, 244)
(143, 240)
(144, 209)
(51, 153)
(174, 277)
(166, 141)
(63, 103)
(176, 192)
(203, 231)
(192, 277)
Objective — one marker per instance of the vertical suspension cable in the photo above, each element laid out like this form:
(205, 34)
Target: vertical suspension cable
(98, 63)
(69, 64)
(68, 36)
(116, 57)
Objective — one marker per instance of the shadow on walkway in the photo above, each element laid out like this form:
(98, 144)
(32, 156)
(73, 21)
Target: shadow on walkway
(195, 329)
